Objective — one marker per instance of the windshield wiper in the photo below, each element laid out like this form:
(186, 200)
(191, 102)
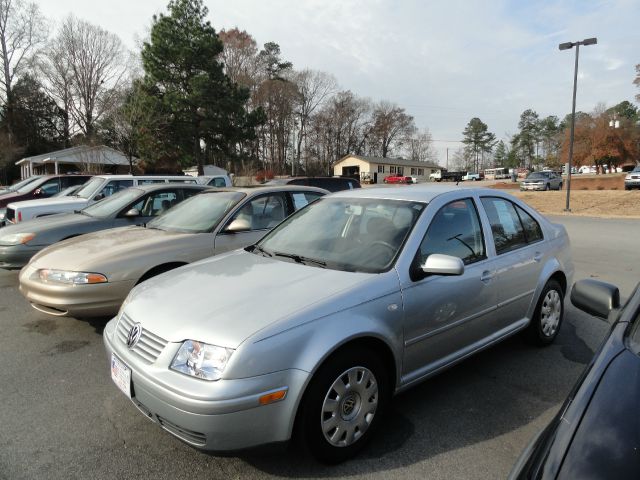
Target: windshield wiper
(258, 248)
(301, 259)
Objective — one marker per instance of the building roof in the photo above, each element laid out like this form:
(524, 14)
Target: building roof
(391, 161)
(82, 154)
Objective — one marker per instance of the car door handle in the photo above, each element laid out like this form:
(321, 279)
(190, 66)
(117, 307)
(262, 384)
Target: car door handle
(487, 276)
(538, 256)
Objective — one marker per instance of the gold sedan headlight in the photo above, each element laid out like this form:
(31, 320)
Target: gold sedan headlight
(71, 278)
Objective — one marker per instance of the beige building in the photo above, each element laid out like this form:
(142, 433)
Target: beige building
(375, 169)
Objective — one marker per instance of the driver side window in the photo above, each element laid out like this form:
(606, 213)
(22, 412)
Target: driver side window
(156, 203)
(455, 230)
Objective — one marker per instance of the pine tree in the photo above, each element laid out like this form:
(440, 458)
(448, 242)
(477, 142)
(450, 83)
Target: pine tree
(194, 104)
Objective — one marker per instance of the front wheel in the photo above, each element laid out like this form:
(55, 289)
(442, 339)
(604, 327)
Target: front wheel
(343, 404)
(548, 315)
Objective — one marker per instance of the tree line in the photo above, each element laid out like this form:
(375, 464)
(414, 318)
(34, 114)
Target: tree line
(191, 96)
(195, 96)
(607, 136)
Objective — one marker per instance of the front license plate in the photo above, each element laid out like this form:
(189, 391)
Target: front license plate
(121, 375)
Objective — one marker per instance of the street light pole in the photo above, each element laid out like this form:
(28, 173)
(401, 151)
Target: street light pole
(567, 46)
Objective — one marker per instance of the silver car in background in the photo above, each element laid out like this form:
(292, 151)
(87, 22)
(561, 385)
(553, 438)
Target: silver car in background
(359, 296)
(542, 181)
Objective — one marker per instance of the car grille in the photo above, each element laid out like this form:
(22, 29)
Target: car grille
(195, 438)
(149, 347)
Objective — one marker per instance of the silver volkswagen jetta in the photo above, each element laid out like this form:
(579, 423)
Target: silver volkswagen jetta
(359, 296)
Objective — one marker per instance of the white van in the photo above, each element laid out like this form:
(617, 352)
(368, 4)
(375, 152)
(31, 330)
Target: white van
(96, 188)
(214, 180)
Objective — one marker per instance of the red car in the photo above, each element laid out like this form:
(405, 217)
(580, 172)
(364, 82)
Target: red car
(397, 179)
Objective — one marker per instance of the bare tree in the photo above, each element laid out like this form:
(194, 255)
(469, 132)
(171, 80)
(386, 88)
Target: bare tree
(391, 127)
(22, 31)
(56, 72)
(313, 88)
(420, 147)
(240, 57)
(98, 64)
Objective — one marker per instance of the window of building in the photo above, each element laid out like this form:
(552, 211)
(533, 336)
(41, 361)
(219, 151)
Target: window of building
(392, 169)
(400, 171)
(420, 172)
(380, 168)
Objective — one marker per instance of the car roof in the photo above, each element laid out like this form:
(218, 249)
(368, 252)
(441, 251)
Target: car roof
(150, 187)
(412, 193)
(257, 190)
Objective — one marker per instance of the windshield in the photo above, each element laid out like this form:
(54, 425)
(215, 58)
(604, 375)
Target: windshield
(200, 213)
(537, 176)
(353, 234)
(90, 187)
(17, 186)
(68, 191)
(636, 170)
(27, 187)
(113, 204)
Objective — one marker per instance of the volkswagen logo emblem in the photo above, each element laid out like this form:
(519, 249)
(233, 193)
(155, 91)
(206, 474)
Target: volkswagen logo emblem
(134, 335)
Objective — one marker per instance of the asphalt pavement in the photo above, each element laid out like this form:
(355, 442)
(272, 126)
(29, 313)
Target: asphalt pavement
(62, 418)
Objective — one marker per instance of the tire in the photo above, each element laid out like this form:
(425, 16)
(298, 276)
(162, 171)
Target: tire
(547, 317)
(336, 427)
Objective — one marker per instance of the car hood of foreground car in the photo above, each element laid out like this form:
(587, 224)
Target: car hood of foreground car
(108, 250)
(225, 299)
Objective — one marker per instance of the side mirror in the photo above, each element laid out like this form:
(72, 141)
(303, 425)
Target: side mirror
(439, 264)
(99, 196)
(595, 297)
(238, 225)
(134, 212)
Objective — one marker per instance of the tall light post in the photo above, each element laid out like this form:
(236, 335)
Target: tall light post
(568, 46)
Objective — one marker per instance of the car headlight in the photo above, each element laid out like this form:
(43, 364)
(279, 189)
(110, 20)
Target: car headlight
(16, 239)
(201, 360)
(70, 278)
(628, 177)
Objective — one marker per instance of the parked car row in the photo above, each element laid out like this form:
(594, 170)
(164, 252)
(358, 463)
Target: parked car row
(295, 310)
(37, 187)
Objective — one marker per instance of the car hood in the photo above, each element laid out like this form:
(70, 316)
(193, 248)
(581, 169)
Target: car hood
(71, 201)
(43, 224)
(226, 299)
(6, 198)
(98, 251)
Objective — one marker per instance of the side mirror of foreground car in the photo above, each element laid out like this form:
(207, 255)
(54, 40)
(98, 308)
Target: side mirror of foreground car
(595, 297)
(238, 225)
(439, 264)
(134, 212)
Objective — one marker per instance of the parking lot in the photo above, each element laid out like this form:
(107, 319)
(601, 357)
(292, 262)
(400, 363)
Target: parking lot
(62, 417)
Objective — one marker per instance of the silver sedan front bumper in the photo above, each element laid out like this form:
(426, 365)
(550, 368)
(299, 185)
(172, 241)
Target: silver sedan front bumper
(223, 415)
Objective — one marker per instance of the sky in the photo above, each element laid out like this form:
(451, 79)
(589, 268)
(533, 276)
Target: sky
(444, 62)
